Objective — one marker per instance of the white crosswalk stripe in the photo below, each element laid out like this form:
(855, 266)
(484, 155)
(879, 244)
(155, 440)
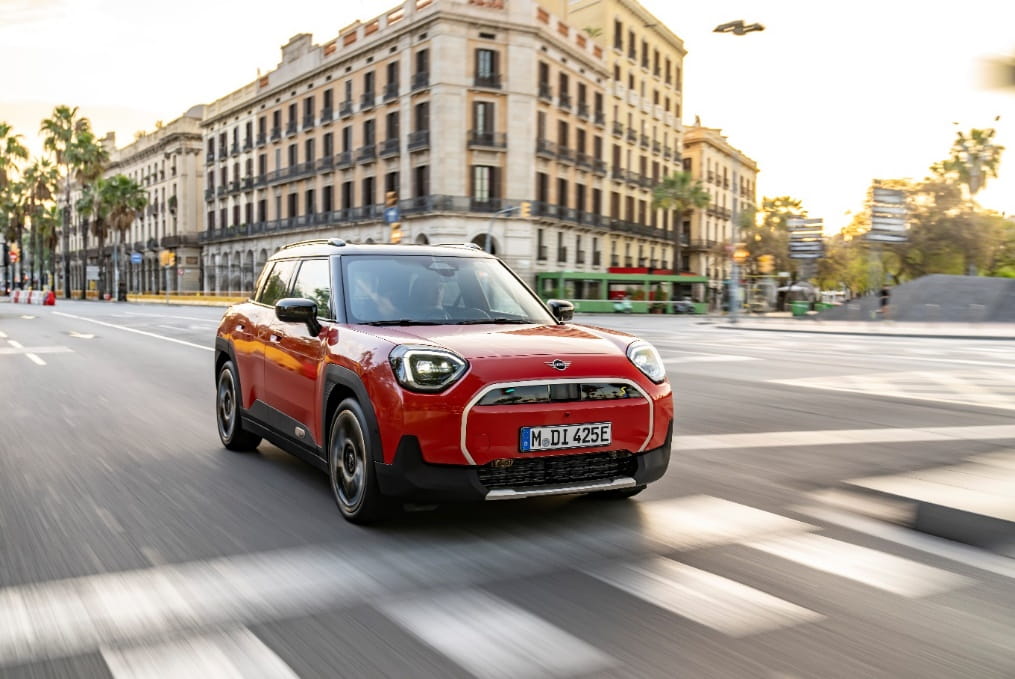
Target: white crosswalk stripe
(237, 654)
(486, 635)
(868, 566)
(711, 600)
(985, 387)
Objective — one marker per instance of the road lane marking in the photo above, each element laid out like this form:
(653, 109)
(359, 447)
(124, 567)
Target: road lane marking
(827, 437)
(708, 599)
(3, 335)
(235, 654)
(135, 330)
(81, 335)
(883, 571)
(15, 344)
(492, 638)
(35, 359)
(709, 358)
(38, 350)
(79, 615)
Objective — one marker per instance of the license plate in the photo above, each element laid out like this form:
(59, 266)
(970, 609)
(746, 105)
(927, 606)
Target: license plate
(566, 436)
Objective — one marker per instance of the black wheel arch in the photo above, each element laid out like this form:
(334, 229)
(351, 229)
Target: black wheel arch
(341, 383)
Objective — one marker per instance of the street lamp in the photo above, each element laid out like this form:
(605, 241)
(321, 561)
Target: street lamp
(737, 27)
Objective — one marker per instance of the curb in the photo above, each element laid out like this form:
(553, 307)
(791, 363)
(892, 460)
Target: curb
(859, 333)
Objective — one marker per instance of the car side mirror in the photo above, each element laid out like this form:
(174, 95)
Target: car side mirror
(297, 310)
(561, 309)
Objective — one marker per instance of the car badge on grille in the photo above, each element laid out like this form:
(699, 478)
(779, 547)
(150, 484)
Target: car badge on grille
(558, 364)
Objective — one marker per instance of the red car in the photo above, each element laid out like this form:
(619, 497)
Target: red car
(433, 373)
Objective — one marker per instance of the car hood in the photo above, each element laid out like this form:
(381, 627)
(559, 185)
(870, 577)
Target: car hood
(505, 341)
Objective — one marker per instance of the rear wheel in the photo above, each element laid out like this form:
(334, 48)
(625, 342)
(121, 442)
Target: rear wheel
(351, 466)
(227, 412)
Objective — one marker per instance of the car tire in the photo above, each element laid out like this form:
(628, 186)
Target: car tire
(619, 494)
(227, 412)
(351, 466)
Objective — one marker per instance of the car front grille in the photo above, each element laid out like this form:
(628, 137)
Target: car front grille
(558, 469)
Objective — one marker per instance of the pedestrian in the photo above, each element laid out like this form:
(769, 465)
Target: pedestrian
(885, 296)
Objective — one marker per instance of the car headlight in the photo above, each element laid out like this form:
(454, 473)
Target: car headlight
(426, 368)
(647, 359)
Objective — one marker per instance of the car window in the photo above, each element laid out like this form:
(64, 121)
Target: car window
(429, 289)
(313, 282)
(277, 284)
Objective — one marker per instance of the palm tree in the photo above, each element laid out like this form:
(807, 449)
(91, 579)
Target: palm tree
(974, 158)
(125, 199)
(58, 133)
(681, 193)
(38, 182)
(94, 210)
(12, 150)
(88, 159)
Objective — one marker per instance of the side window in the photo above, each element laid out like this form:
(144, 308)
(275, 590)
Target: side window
(314, 282)
(278, 282)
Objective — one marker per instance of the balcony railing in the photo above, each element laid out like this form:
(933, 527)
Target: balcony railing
(262, 139)
(366, 101)
(367, 153)
(599, 166)
(210, 158)
(276, 133)
(564, 101)
(632, 136)
(645, 141)
(389, 147)
(489, 81)
(345, 109)
(565, 154)
(343, 159)
(541, 253)
(223, 153)
(599, 118)
(248, 183)
(234, 149)
(618, 129)
(420, 80)
(583, 111)
(290, 128)
(420, 139)
(496, 140)
(583, 160)
(326, 115)
(308, 121)
(545, 91)
(547, 148)
(248, 144)
(390, 92)
(485, 204)
(326, 163)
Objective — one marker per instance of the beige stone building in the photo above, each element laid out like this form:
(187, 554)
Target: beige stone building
(454, 110)
(730, 177)
(166, 163)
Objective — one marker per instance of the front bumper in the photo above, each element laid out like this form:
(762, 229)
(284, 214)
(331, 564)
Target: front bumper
(409, 477)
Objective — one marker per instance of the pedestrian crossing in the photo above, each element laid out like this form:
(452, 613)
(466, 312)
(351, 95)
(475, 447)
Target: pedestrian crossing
(991, 388)
(197, 619)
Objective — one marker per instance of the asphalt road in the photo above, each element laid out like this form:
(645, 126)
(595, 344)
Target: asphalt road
(133, 545)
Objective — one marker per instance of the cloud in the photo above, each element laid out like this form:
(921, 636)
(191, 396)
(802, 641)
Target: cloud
(21, 12)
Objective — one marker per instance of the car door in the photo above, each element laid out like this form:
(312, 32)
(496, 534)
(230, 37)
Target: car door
(293, 375)
(275, 287)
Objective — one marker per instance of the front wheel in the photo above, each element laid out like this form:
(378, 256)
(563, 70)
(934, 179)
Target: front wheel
(227, 412)
(351, 466)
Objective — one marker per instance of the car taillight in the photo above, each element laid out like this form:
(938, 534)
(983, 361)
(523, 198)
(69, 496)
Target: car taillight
(425, 368)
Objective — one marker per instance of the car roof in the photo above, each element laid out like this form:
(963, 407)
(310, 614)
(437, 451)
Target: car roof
(336, 246)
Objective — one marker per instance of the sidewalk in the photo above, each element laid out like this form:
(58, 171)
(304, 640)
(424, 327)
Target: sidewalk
(887, 328)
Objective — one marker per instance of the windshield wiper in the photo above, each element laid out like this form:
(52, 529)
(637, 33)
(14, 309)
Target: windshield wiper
(403, 321)
(495, 321)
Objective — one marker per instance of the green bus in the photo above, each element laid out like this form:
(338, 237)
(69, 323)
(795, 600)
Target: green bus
(629, 291)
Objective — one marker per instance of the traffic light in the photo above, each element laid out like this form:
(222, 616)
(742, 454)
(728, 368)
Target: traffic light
(525, 210)
(167, 258)
(766, 263)
(391, 198)
(396, 232)
(740, 253)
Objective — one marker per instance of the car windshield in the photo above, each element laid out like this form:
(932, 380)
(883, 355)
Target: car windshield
(436, 290)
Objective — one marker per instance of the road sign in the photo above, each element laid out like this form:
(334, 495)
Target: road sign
(135, 258)
(392, 215)
(881, 237)
(893, 196)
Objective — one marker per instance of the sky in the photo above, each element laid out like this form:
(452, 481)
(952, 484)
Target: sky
(827, 98)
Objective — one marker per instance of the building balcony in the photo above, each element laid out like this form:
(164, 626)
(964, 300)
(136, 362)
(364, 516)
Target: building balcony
(545, 92)
(343, 159)
(561, 255)
(657, 148)
(700, 244)
(496, 140)
(326, 163)
(390, 92)
(597, 258)
(546, 148)
(645, 142)
(345, 109)
(583, 160)
(485, 204)
(367, 153)
(618, 129)
(420, 80)
(489, 81)
(262, 139)
(599, 167)
(276, 133)
(418, 140)
(290, 128)
(248, 144)
(234, 150)
(366, 101)
(221, 191)
(583, 111)
(308, 122)
(541, 253)
(632, 136)
(209, 158)
(234, 186)
(599, 118)
(564, 101)
(326, 115)
(247, 183)
(565, 154)
(389, 147)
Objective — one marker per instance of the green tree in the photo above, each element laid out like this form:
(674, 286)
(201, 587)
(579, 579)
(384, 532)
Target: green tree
(125, 199)
(39, 180)
(95, 211)
(12, 151)
(681, 193)
(974, 158)
(769, 234)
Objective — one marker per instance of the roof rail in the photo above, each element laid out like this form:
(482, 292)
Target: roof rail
(471, 246)
(338, 242)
